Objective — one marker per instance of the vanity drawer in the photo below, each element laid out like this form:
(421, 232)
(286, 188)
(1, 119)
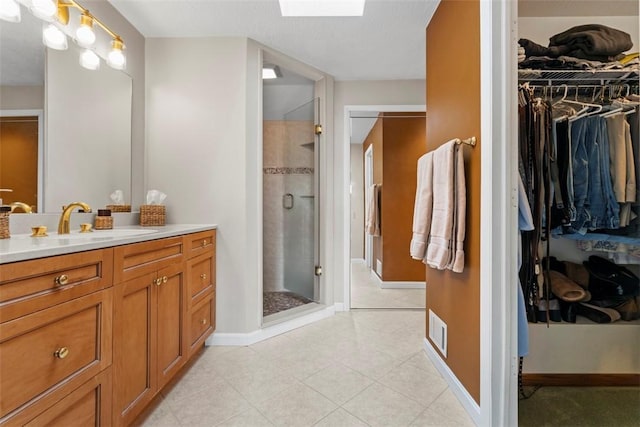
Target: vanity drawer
(199, 243)
(88, 405)
(203, 322)
(29, 286)
(138, 259)
(47, 354)
(201, 277)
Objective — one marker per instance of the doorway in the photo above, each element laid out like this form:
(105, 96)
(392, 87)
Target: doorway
(290, 187)
(376, 281)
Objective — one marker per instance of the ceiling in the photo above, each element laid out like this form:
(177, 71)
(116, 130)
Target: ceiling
(387, 43)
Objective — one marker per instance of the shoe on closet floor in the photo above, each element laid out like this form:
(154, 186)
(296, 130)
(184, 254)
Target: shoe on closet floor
(598, 314)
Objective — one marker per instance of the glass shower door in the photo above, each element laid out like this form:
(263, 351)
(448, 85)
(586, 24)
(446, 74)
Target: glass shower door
(290, 223)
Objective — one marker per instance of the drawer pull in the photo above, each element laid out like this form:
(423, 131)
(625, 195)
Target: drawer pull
(61, 280)
(165, 279)
(204, 243)
(61, 353)
(203, 322)
(203, 276)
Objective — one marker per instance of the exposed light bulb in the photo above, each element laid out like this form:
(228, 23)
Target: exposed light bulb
(54, 38)
(85, 36)
(9, 11)
(44, 9)
(115, 57)
(89, 60)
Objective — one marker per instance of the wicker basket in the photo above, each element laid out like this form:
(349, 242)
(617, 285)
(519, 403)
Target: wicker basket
(152, 215)
(119, 208)
(4, 225)
(103, 223)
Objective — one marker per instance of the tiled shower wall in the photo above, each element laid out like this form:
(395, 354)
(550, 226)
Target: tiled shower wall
(288, 235)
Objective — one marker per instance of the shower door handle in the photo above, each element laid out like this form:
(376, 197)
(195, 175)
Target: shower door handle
(287, 201)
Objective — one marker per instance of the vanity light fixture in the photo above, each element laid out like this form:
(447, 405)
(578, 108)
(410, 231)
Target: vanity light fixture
(44, 9)
(85, 36)
(56, 12)
(10, 11)
(322, 7)
(116, 58)
(89, 60)
(271, 72)
(54, 38)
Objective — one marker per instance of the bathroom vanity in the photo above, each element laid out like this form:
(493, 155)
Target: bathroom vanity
(92, 328)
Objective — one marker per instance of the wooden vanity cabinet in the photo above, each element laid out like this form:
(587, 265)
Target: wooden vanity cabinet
(149, 321)
(201, 287)
(91, 338)
(55, 336)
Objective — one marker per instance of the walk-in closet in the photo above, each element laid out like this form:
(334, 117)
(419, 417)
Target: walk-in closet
(579, 204)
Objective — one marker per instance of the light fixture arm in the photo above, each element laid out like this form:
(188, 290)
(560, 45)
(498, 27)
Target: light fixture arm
(63, 16)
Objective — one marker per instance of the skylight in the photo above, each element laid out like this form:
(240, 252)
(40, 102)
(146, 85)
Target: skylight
(322, 7)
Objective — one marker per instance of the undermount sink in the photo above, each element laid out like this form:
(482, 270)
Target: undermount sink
(104, 234)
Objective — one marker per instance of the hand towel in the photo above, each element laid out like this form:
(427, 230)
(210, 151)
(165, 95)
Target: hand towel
(423, 207)
(372, 224)
(460, 212)
(442, 222)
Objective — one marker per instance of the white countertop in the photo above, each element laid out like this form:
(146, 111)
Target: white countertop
(21, 247)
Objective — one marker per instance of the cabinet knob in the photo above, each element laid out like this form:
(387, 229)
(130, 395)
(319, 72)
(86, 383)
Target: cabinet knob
(165, 279)
(61, 280)
(204, 242)
(61, 353)
(203, 276)
(157, 281)
(203, 321)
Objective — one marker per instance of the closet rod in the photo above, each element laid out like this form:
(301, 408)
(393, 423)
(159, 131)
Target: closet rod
(469, 141)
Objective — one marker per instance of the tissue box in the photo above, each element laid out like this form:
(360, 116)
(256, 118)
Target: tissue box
(152, 215)
(119, 208)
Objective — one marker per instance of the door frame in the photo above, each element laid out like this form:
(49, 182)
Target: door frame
(368, 182)
(346, 183)
(41, 154)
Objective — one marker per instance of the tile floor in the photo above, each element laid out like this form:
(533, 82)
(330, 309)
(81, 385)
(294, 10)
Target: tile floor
(357, 368)
(366, 292)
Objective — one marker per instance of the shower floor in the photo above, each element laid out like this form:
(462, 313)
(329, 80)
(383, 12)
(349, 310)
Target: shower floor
(275, 302)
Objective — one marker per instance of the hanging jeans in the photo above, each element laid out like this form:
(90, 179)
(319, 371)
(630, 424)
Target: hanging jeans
(594, 200)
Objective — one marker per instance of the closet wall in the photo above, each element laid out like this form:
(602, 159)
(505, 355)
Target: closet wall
(602, 349)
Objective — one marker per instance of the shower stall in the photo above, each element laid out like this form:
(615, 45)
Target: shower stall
(290, 211)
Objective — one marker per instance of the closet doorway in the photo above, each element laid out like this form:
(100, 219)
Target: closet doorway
(290, 185)
(385, 144)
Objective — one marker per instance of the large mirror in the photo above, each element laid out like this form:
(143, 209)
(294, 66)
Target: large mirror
(85, 151)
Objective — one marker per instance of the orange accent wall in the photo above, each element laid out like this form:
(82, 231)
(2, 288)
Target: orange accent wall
(398, 142)
(453, 111)
(19, 159)
(404, 141)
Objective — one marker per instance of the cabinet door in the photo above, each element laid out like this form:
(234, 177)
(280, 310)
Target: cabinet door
(172, 305)
(134, 347)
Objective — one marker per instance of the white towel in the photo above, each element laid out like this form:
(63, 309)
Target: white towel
(423, 207)
(439, 214)
(372, 223)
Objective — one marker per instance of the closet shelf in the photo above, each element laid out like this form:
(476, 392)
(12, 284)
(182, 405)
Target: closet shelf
(574, 77)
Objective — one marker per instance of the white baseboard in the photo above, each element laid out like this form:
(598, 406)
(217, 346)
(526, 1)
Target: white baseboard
(339, 306)
(465, 399)
(236, 339)
(358, 261)
(397, 285)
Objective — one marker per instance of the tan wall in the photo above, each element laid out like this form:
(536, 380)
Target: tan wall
(21, 97)
(404, 142)
(453, 106)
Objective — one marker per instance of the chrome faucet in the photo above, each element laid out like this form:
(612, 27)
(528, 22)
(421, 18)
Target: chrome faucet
(20, 205)
(63, 225)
